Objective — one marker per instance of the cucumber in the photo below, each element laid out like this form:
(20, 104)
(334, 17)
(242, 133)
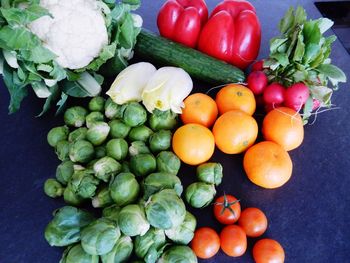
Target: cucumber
(199, 65)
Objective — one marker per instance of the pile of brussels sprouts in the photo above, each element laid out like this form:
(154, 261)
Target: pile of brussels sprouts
(118, 158)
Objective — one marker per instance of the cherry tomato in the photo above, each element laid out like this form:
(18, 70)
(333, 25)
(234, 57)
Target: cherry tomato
(233, 241)
(253, 221)
(268, 251)
(227, 209)
(205, 243)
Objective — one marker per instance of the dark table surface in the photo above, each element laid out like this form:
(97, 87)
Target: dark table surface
(309, 216)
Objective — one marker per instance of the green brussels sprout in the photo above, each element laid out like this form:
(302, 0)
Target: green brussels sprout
(75, 116)
(78, 134)
(162, 120)
(81, 152)
(93, 117)
(72, 198)
(111, 212)
(160, 141)
(134, 114)
(124, 189)
(97, 104)
(90, 165)
(84, 183)
(100, 152)
(106, 167)
(132, 221)
(64, 172)
(65, 227)
(102, 199)
(113, 110)
(183, 234)
(143, 164)
(183, 254)
(100, 236)
(117, 149)
(168, 162)
(138, 147)
(57, 134)
(200, 195)
(159, 181)
(53, 188)
(140, 133)
(62, 150)
(148, 244)
(119, 129)
(165, 209)
(125, 167)
(121, 252)
(98, 133)
(76, 254)
(210, 173)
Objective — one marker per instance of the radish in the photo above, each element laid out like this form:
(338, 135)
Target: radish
(257, 81)
(270, 107)
(296, 96)
(316, 104)
(274, 94)
(258, 66)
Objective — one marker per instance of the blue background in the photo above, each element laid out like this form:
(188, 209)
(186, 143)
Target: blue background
(309, 216)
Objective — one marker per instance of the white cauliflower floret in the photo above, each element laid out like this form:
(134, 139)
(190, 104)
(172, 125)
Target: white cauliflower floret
(76, 34)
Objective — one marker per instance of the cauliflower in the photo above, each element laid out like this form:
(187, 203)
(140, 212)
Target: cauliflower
(76, 32)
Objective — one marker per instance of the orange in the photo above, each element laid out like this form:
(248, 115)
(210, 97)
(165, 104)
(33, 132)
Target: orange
(236, 97)
(284, 126)
(200, 109)
(235, 131)
(267, 165)
(193, 144)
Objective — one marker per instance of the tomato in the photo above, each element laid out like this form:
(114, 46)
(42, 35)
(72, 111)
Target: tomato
(227, 209)
(205, 243)
(253, 221)
(268, 251)
(233, 241)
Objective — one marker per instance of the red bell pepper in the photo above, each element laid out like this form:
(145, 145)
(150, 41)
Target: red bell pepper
(232, 33)
(182, 20)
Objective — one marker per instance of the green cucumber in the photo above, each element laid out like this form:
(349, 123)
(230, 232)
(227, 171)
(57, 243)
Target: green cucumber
(200, 66)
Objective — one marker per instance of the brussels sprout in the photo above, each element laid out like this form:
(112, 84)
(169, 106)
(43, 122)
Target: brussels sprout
(65, 227)
(183, 254)
(165, 209)
(81, 152)
(64, 172)
(160, 141)
(183, 234)
(100, 152)
(140, 133)
(106, 167)
(200, 195)
(62, 150)
(84, 183)
(119, 129)
(113, 110)
(210, 173)
(146, 245)
(162, 120)
(143, 164)
(90, 165)
(125, 167)
(53, 188)
(100, 236)
(102, 199)
(121, 252)
(134, 114)
(98, 133)
(93, 117)
(97, 104)
(124, 189)
(111, 212)
(75, 116)
(72, 198)
(76, 254)
(57, 134)
(159, 181)
(132, 221)
(168, 162)
(78, 134)
(117, 149)
(138, 147)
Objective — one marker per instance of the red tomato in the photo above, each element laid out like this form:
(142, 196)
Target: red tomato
(253, 221)
(233, 241)
(227, 209)
(268, 251)
(205, 243)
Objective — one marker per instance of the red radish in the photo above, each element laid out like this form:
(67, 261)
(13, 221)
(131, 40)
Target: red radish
(270, 107)
(274, 94)
(257, 81)
(316, 104)
(258, 66)
(296, 96)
